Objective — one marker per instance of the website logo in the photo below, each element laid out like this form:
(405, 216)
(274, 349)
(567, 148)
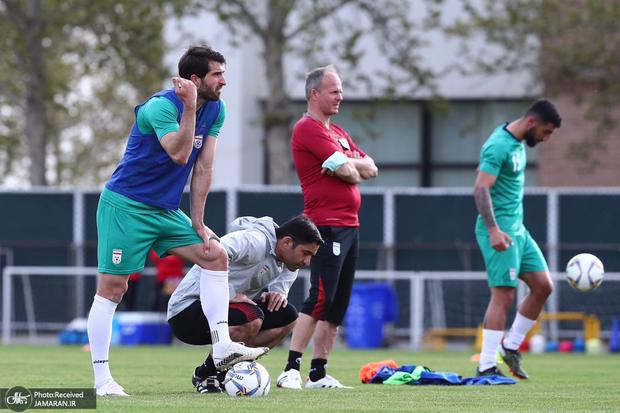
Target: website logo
(18, 399)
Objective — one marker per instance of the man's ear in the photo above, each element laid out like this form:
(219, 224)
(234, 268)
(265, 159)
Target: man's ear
(288, 241)
(195, 79)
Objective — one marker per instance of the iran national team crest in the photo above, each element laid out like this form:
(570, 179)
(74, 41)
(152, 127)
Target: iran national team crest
(117, 256)
(336, 248)
(198, 141)
(513, 273)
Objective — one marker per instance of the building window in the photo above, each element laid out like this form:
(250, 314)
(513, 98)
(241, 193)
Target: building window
(416, 144)
(459, 132)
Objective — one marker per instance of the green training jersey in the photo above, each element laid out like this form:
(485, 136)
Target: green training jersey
(503, 155)
(159, 116)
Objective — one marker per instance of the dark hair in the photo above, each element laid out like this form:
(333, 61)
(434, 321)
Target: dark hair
(301, 229)
(195, 61)
(545, 111)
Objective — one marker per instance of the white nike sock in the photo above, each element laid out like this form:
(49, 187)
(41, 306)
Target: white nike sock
(214, 303)
(520, 327)
(99, 328)
(490, 343)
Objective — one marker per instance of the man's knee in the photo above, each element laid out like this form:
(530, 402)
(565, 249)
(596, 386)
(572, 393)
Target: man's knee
(216, 259)
(502, 297)
(112, 287)
(540, 284)
(328, 328)
(276, 335)
(221, 257)
(545, 288)
(289, 327)
(287, 315)
(246, 331)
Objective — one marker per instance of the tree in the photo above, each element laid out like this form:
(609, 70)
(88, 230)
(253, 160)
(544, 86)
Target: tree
(289, 27)
(570, 45)
(70, 72)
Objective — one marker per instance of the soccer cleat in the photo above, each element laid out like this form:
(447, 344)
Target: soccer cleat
(208, 384)
(512, 358)
(235, 353)
(327, 382)
(491, 371)
(290, 379)
(111, 388)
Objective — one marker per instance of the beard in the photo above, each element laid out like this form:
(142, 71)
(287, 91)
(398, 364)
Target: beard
(294, 267)
(208, 94)
(530, 138)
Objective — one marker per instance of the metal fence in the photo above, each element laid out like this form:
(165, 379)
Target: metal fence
(403, 231)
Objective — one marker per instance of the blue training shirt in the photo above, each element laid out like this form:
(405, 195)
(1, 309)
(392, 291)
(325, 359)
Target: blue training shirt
(146, 173)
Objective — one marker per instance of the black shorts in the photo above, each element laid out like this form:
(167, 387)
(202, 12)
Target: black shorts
(191, 326)
(332, 271)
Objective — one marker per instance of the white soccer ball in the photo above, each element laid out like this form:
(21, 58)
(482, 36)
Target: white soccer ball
(585, 272)
(247, 379)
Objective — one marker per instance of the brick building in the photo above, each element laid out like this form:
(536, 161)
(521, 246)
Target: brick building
(561, 164)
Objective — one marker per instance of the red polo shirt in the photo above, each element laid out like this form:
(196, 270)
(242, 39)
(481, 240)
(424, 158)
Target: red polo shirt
(328, 200)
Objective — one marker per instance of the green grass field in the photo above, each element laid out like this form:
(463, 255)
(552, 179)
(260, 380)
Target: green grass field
(158, 379)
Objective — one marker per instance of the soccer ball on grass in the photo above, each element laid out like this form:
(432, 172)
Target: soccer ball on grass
(585, 272)
(247, 379)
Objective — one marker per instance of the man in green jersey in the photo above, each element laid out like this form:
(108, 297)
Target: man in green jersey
(509, 252)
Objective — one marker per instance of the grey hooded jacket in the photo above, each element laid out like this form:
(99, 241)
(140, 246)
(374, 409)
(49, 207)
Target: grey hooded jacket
(252, 265)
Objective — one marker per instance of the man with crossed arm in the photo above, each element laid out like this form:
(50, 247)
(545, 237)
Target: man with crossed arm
(329, 166)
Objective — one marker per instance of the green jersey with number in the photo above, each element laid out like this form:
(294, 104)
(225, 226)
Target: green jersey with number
(503, 155)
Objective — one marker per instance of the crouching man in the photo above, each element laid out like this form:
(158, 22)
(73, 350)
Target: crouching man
(264, 260)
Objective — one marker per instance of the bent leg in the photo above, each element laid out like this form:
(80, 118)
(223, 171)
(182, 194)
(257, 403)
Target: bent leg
(213, 288)
(541, 287)
(246, 332)
(276, 325)
(215, 260)
(272, 337)
(191, 326)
